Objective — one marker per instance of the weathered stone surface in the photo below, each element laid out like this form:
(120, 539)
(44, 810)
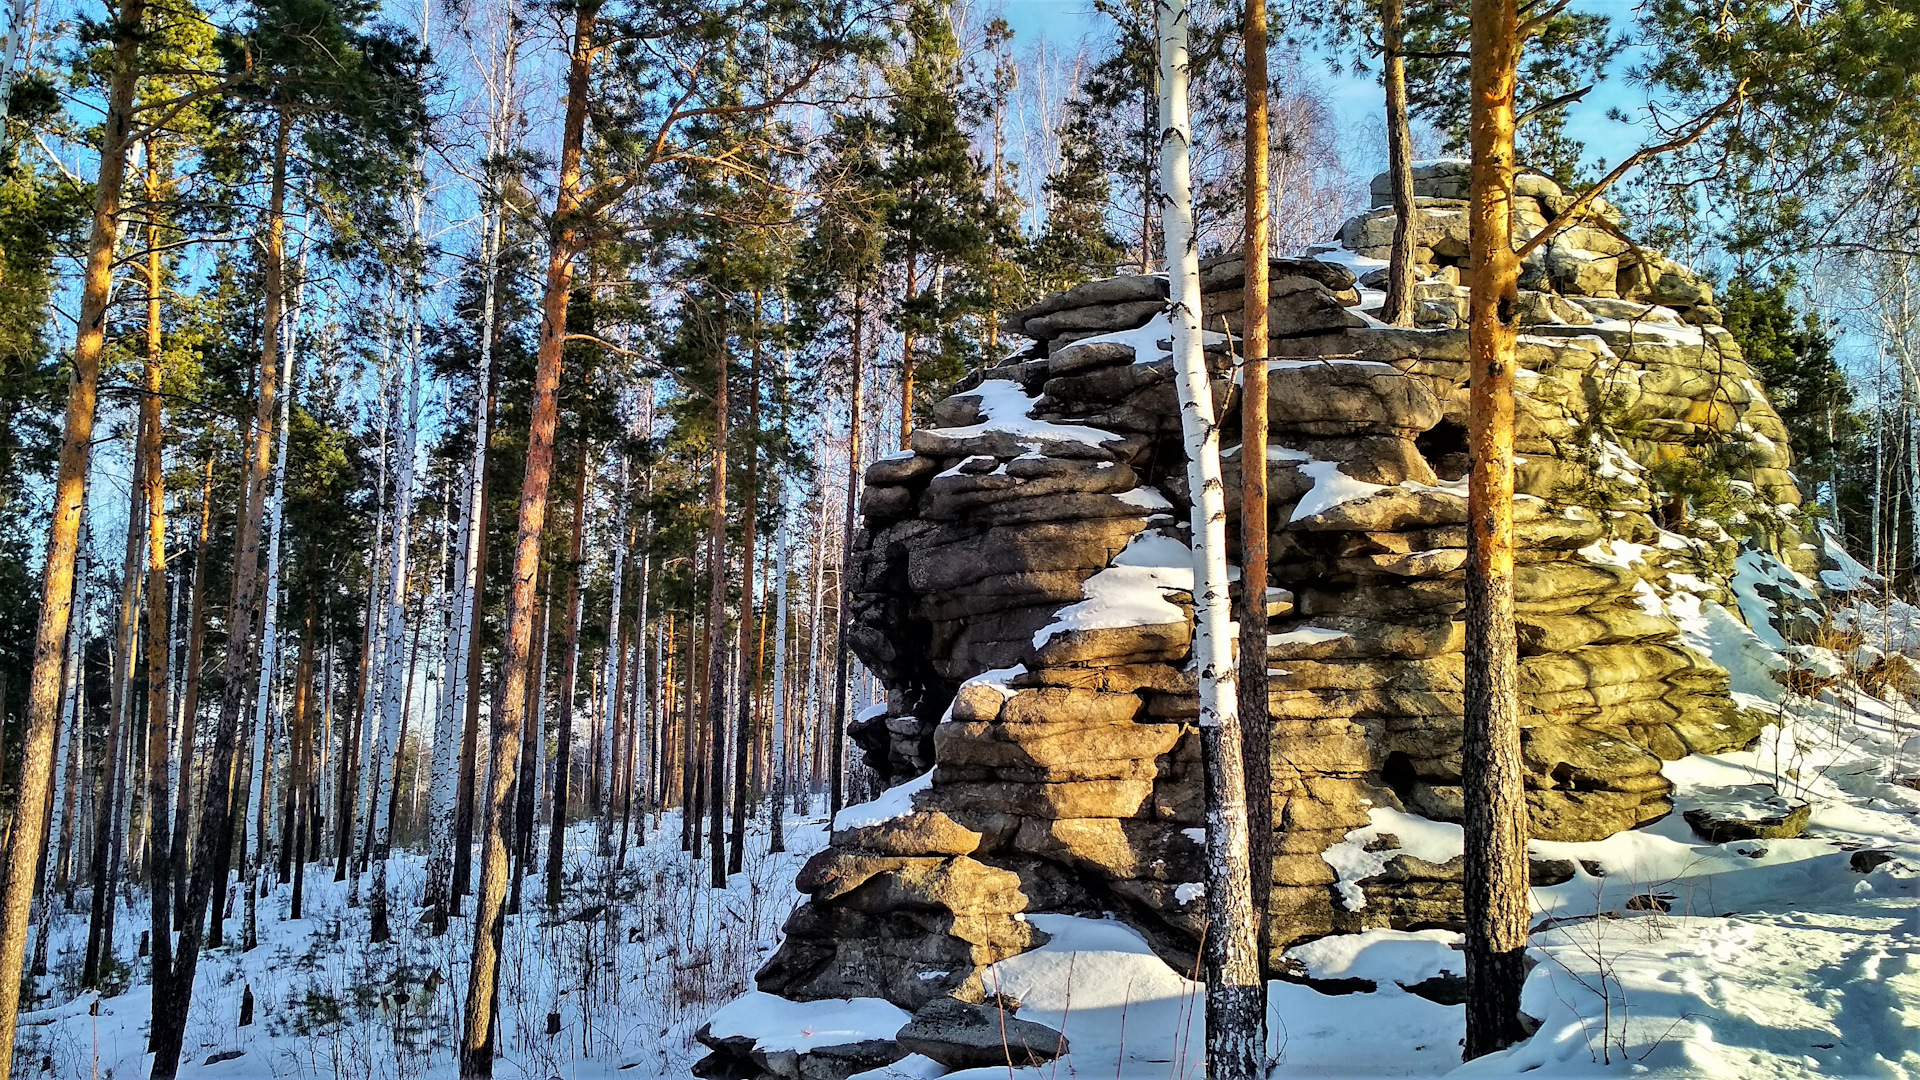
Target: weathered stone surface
(963, 1036)
(1066, 775)
(1366, 395)
(1751, 813)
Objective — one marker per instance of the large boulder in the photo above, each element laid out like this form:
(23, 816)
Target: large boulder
(1022, 586)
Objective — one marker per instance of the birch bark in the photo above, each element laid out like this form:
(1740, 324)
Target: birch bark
(1234, 988)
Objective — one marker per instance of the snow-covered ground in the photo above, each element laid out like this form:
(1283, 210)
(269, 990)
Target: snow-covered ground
(1664, 955)
(1774, 958)
(633, 963)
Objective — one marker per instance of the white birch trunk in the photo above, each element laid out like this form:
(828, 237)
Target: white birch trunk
(394, 654)
(259, 842)
(611, 681)
(776, 800)
(376, 613)
(1234, 989)
(810, 717)
(19, 28)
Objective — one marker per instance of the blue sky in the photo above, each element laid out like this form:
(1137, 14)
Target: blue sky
(1357, 100)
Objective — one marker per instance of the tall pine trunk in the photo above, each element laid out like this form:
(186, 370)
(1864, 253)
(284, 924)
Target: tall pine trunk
(717, 614)
(465, 812)
(1256, 726)
(216, 815)
(63, 525)
(159, 636)
(777, 797)
(300, 767)
(569, 675)
(393, 686)
(478, 1037)
(259, 795)
(1398, 308)
(749, 509)
(106, 818)
(1234, 987)
(1491, 781)
(602, 793)
(190, 697)
(837, 739)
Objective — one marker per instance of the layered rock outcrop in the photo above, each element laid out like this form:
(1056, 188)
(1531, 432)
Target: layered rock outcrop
(1022, 579)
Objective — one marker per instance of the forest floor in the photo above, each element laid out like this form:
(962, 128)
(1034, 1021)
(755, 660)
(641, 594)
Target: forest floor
(633, 963)
(1663, 955)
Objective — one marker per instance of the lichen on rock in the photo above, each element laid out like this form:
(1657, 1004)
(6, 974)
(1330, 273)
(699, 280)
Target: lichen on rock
(1012, 587)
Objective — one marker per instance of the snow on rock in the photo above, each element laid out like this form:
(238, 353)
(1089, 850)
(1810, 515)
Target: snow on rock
(1618, 553)
(774, 1023)
(1132, 591)
(1007, 410)
(1331, 487)
(997, 679)
(1847, 574)
(1382, 957)
(1306, 635)
(911, 1067)
(1146, 498)
(895, 802)
(1145, 339)
(1755, 569)
(1433, 841)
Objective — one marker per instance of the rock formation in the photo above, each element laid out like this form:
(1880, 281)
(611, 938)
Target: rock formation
(1021, 585)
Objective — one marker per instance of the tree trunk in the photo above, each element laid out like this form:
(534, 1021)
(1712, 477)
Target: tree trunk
(159, 636)
(1234, 988)
(63, 527)
(690, 742)
(717, 614)
(393, 686)
(906, 350)
(837, 739)
(777, 798)
(216, 815)
(352, 742)
(569, 675)
(465, 811)
(269, 649)
(190, 694)
(106, 820)
(1398, 309)
(64, 774)
(526, 787)
(477, 1033)
(749, 509)
(811, 717)
(642, 704)
(602, 793)
(1491, 783)
(1256, 726)
(300, 767)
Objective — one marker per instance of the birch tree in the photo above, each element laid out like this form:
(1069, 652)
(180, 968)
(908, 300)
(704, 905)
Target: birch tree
(393, 654)
(1235, 998)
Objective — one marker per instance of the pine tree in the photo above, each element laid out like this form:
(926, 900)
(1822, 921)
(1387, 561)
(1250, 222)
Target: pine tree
(1075, 244)
(63, 535)
(940, 221)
